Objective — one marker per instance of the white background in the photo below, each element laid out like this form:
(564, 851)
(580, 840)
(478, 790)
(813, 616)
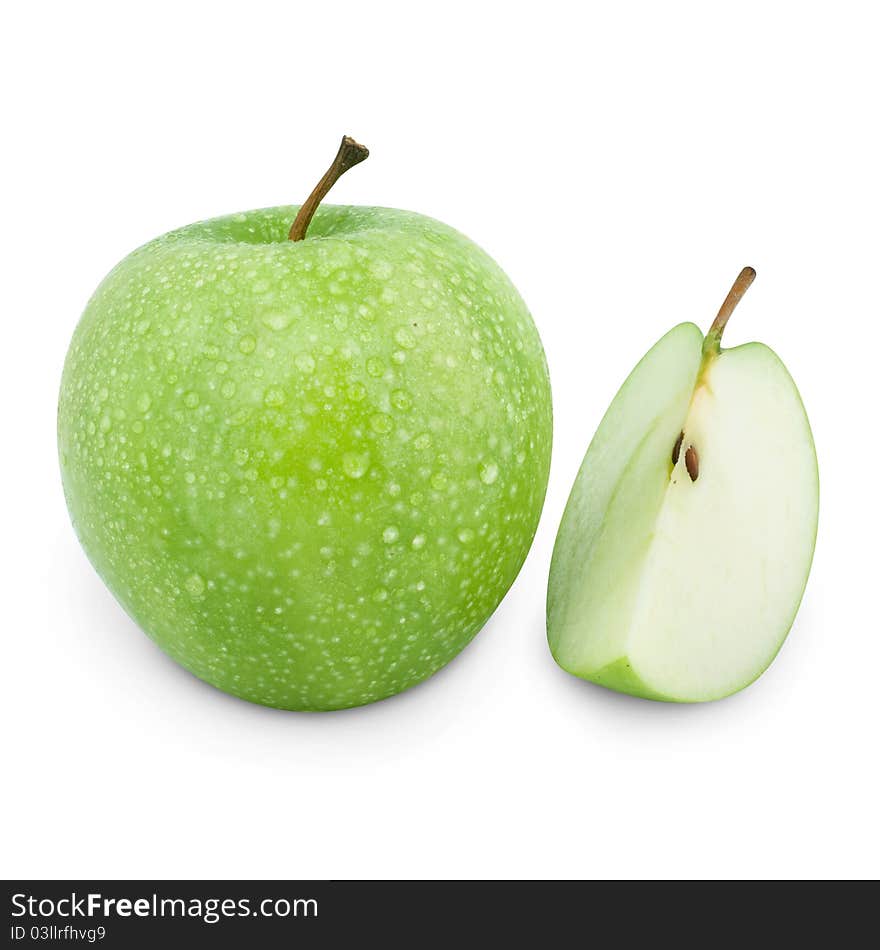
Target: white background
(621, 161)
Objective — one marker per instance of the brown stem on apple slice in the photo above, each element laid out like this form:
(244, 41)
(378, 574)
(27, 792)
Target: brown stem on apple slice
(712, 343)
(350, 154)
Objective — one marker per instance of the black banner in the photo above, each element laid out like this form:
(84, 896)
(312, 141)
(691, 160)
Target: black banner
(263, 914)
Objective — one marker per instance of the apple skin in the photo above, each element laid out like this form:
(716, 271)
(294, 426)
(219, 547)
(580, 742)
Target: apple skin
(309, 470)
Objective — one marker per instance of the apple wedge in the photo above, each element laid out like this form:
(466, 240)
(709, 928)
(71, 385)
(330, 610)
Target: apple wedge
(686, 543)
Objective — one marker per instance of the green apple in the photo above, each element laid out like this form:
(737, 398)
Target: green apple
(309, 466)
(686, 543)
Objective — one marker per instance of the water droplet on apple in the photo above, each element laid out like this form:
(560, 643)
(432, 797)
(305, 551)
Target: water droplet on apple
(191, 400)
(195, 586)
(355, 464)
(228, 389)
(273, 397)
(305, 363)
(405, 337)
(465, 535)
(418, 541)
(380, 594)
(381, 423)
(144, 402)
(381, 270)
(390, 534)
(401, 400)
(375, 367)
(247, 344)
(278, 321)
(422, 441)
(488, 472)
(356, 392)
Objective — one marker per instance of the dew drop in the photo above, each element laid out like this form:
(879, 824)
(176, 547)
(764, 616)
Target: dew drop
(381, 270)
(191, 400)
(401, 400)
(380, 594)
(247, 344)
(305, 363)
(195, 586)
(418, 541)
(488, 472)
(390, 534)
(144, 402)
(375, 367)
(355, 464)
(404, 337)
(278, 321)
(381, 423)
(273, 397)
(466, 535)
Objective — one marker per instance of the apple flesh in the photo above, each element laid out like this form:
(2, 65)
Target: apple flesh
(308, 469)
(686, 543)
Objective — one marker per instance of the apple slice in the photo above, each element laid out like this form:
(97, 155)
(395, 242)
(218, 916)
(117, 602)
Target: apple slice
(686, 543)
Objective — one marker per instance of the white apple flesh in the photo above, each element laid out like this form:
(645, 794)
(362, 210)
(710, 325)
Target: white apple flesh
(686, 543)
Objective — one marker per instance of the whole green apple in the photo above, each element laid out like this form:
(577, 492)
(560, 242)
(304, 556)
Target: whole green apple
(309, 469)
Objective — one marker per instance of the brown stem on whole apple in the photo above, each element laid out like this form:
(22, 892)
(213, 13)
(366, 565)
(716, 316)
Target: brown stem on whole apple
(350, 154)
(712, 343)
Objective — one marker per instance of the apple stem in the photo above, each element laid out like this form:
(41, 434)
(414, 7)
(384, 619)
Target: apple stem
(350, 154)
(712, 343)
